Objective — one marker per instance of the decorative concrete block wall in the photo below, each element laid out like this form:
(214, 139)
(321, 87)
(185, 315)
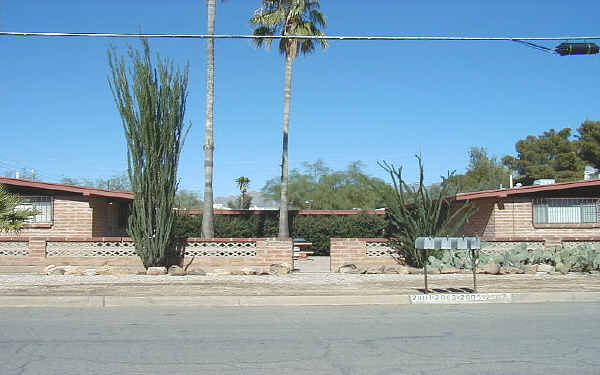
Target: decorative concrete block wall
(32, 254)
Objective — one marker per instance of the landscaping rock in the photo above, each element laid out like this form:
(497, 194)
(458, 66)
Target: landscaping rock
(249, 271)
(154, 271)
(175, 270)
(491, 269)
(279, 269)
(56, 271)
(73, 271)
(531, 269)
(48, 268)
(545, 268)
(196, 272)
(417, 271)
(509, 270)
(237, 272)
(90, 272)
(447, 270)
(376, 270)
(221, 272)
(106, 270)
(348, 268)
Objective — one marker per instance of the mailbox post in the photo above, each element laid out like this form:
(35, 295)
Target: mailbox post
(473, 244)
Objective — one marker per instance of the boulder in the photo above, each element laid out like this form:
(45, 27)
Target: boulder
(154, 271)
(491, 269)
(545, 268)
(279, 269)
(531, 269)
(196, 272)
(348, 268)
(175, 270)
(237, 272)
(48, 268)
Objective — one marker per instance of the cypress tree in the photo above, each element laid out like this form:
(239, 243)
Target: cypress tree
(151, 101)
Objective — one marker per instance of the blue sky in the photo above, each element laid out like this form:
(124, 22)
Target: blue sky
(365, 101)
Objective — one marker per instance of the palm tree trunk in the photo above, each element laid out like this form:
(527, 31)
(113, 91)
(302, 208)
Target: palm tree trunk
(208, 230)
(284, 226)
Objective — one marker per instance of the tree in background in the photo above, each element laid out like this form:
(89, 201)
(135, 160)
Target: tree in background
(483, 173)
(414, 212)
(244, 201)
(288, 18)
(12, 216)
(151, 101)
(117, 182)
(588, 142)
(317, 186)
(24, 174)
(187, 199)
(550, 155)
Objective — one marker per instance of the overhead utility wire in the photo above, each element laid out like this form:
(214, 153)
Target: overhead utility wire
(326, 37)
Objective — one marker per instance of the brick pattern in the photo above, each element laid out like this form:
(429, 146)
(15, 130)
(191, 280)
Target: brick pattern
(268, 251)
(511, 220)
(354, 251)
(77, 216)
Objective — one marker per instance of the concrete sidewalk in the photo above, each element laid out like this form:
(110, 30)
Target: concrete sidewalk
(294, 289)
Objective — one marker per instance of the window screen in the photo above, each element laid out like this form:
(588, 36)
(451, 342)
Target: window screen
(565, 211)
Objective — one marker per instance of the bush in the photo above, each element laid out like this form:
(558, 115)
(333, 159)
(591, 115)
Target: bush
(317, 229)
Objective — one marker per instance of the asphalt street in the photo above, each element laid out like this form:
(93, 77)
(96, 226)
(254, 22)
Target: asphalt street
(410, 339)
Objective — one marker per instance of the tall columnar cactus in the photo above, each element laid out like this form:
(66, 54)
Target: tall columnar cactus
(415, 211)
(151, 101)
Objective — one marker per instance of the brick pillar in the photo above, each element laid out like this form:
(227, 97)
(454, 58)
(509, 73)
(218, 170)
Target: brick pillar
(37, 247)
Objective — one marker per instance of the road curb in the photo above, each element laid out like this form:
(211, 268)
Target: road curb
(256, 301)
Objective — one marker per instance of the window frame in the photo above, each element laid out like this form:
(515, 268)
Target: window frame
(47, 224)
(580, 224)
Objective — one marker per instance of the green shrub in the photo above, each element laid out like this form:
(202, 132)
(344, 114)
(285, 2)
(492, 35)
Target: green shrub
(317, 229)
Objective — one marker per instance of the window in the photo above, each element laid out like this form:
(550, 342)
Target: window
(41, 204)
(565, 211)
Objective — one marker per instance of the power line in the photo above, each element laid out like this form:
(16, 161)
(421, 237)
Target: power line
(326, 37)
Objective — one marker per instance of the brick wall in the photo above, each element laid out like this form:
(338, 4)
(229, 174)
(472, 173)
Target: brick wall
(268, 251)
(511, 220)
(482, 222)
(356, 251)
(119, 253)
(72, 216)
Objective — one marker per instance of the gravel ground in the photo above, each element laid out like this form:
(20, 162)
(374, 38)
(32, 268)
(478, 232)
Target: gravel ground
(293, 284)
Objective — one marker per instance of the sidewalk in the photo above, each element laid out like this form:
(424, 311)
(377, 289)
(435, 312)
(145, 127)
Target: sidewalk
(293, 289)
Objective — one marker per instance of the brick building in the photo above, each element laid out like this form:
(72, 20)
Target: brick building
(71, 211)
(559, 214)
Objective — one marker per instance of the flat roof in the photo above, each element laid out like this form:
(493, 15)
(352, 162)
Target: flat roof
(86, 191)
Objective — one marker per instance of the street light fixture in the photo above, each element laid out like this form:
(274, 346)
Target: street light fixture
(566, 49)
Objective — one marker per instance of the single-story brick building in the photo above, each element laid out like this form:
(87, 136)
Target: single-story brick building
(562, 214)
(71, 211)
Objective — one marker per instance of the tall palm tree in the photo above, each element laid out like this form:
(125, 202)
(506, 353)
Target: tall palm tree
(288, 18)
(208, 230)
